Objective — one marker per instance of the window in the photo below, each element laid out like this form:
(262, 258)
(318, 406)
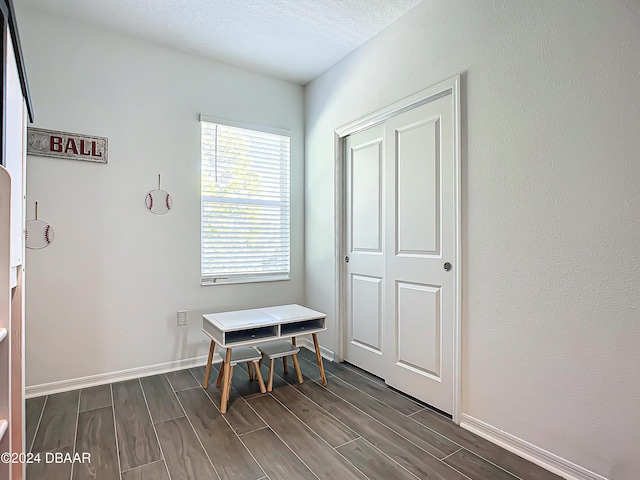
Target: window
(245, 221)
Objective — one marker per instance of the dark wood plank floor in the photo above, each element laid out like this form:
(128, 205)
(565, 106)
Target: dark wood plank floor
(167, 427)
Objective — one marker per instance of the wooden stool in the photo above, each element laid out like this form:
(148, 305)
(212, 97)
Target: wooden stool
(282, 350)
(239, 355)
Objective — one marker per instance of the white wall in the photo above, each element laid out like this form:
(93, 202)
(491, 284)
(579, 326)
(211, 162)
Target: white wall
(104, 296)
(551, 211)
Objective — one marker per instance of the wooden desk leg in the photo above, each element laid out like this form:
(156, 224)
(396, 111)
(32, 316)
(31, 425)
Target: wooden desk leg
(226, 383)
(207, 371)
(319, 359)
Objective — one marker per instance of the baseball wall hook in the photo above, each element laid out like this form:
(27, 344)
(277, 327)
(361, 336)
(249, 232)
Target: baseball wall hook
(158, 201)
(38, 234)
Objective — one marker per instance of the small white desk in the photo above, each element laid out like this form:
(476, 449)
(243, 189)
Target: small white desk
(250, 327)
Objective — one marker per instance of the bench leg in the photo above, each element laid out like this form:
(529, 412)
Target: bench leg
(260, 380)
(219, 380)
(207, 370)
(227, 382)
(296, 365)
(250, 370)
(270, 385)
(319, 359)
(285, 365)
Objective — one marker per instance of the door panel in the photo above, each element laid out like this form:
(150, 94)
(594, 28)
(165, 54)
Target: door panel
(365, 197)
(364, 342)
(367, 312)
(418, 205)
(419, 343)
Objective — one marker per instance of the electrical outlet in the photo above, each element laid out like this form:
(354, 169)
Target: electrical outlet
(182, 317)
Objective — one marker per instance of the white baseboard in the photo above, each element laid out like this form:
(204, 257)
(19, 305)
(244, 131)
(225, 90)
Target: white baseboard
(103, 378)
(537, 455)
(308, 344)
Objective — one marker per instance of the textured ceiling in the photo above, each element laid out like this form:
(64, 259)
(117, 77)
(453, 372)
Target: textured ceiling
(291, 39)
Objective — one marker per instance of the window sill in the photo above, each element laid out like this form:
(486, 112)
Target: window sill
(207, 282)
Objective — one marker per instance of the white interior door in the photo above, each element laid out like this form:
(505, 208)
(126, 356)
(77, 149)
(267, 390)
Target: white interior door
(400, 233)
(420, 217)
(364, 262)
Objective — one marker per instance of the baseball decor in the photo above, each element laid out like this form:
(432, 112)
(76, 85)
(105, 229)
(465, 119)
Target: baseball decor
(38, 234)
(158, 201)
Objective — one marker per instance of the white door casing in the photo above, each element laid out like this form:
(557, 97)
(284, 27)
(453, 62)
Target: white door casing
(403, 324)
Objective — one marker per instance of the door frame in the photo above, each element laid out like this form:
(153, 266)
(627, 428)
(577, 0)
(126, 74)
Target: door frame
(446, 87)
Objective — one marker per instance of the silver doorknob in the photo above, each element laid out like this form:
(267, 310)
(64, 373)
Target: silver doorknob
(447, 267)
(346, 259)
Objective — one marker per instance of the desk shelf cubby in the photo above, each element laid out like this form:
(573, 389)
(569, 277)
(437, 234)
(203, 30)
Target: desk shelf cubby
(250, 334)
(302, 327)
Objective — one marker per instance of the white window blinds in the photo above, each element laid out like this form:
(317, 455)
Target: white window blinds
(245, 225)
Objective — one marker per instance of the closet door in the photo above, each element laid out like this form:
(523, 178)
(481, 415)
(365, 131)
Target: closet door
(400, 228)
(419, 292)
(364, 261)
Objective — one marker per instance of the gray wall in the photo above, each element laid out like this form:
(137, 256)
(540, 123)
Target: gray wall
(104, 296)
(551, 211)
